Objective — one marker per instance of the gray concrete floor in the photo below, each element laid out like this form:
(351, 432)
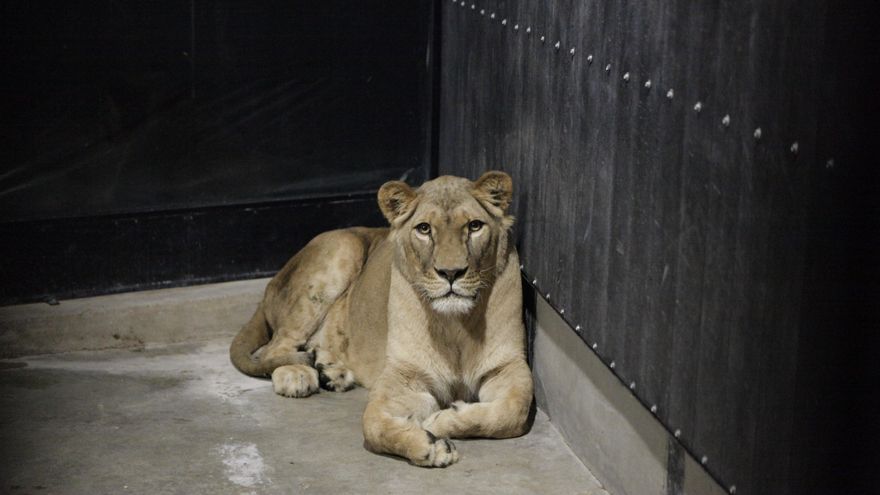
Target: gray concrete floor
(179, 419)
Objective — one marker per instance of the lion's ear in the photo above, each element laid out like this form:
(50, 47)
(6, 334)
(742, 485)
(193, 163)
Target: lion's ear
(396, 200)
(494, 188)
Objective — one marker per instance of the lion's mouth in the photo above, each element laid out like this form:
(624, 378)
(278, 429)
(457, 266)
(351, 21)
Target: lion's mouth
(453, 293)
(453, 302)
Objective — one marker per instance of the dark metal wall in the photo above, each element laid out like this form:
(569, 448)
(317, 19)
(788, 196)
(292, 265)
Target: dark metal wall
(116, 107)
(666, 157)
(114, 114)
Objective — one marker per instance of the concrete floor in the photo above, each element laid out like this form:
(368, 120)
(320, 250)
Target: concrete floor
(179, 419)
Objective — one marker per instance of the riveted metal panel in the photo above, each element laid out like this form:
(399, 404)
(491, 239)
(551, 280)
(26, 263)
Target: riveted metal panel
(664, 156)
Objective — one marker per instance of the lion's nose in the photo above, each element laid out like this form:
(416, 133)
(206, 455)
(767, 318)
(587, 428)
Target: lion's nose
(450, 274)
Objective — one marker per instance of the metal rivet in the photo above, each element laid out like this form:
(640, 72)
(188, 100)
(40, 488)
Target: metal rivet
(521, 267)
(535, 282)
(529, 30)
(562, 311)
(577, 328)
(795, 147)
(473, 7)
(542, 39)
(670, 94)
(590, 59)
(612, 365)
(503, 22)
(571, 52)
(462, 4)
(516, 27)
(482, 11)
(677, 433)
(557, 45)
(704, 460)
(608, 68)
(732, 489)
(548, 295)
(632, 385)
(654, 408)
(648, 84)
(492, 15)
(626, 76)
(757, 133)
(595, 346)
(698, 106)
(726, 121)
(829, 163)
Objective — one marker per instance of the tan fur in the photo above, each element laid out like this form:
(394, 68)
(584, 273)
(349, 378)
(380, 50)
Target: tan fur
(429, 318)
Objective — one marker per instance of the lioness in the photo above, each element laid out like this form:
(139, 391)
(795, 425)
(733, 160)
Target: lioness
(427, 314)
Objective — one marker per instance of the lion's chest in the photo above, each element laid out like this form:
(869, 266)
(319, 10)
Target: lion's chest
(453, 387)
(459, 366)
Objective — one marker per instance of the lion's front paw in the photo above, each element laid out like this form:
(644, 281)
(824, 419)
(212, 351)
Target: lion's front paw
(295, 380)
(441, 423)
(441, 453)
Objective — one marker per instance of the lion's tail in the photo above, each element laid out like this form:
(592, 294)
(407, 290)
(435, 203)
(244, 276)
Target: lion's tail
(253, 335)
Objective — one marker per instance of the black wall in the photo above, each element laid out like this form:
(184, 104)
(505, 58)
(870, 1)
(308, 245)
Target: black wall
(116, 114)
(692, 250)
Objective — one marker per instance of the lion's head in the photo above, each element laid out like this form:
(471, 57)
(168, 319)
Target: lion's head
(451, 236)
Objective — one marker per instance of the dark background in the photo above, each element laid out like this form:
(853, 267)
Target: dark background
(155, 144)
(126, 125)
(733, 280)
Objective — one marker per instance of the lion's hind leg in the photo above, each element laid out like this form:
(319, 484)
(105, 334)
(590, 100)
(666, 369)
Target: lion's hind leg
(330, 344)
(299, 299)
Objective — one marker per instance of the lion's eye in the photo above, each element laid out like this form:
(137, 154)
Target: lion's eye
(475, 225)
(423, 228)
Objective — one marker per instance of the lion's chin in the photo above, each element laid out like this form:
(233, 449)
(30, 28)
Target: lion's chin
(452, 304)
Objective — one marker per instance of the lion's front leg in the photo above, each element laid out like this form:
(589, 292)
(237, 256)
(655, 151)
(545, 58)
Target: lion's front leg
(502, 412)
(392, 425)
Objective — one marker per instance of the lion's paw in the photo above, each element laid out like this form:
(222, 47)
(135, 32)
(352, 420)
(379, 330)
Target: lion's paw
(441, 453)
(335, 378)
(433, 422)
(295, 380)
(441, 423)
